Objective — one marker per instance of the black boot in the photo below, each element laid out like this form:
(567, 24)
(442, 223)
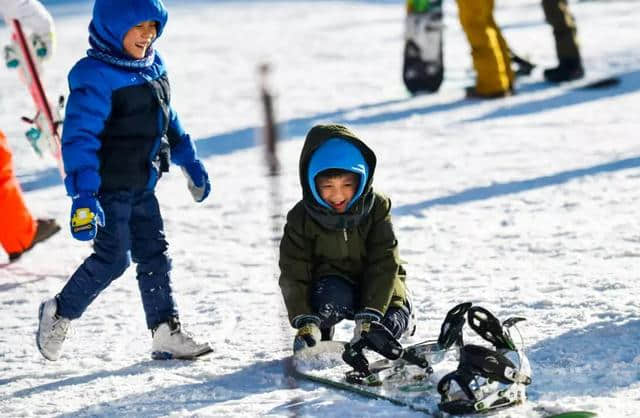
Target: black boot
(45, 228)
(568, 69)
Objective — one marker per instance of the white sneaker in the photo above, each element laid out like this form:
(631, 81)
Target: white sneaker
(52, 330)
(170, 341)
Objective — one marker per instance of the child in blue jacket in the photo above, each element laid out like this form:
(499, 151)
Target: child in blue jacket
(119, 134)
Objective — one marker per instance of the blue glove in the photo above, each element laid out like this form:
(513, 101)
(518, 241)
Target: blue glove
(197, 180)
(86, 216)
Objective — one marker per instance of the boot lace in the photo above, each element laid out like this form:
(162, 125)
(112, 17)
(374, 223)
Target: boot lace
(59, 330)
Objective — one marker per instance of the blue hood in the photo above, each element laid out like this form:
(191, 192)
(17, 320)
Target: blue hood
(112, 19)
(342, 154)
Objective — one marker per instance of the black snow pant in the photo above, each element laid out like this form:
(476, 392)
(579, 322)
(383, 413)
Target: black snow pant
(133, 228)
(564, 27)
(334, 299)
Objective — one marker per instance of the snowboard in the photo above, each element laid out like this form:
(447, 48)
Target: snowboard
(423, 67)
(47, 120)
(397, 381)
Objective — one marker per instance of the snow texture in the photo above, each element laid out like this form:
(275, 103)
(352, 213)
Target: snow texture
(526, 206)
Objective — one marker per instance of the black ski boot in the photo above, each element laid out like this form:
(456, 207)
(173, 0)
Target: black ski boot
(568, 69)
(45, 229)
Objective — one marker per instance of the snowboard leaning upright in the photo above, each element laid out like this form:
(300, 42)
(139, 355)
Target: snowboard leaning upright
(423, 68)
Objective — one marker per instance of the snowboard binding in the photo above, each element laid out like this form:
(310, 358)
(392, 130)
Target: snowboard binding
(422, 355)
(380, 340)
(451, 329)
(486, 379)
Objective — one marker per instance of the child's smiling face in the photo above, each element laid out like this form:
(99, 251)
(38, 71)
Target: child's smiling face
(337, 191)
(139, 38)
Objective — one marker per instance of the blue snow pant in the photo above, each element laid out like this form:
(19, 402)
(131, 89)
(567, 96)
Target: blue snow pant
(133, 229)
(334, 299)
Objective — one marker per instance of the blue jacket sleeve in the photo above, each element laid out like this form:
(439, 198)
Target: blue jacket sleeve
(183, 149)
(88, 107)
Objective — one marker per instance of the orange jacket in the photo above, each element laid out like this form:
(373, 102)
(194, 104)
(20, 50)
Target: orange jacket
(17, 226)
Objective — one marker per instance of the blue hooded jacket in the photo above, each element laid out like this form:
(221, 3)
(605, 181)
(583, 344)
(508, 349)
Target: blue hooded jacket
(118, 110)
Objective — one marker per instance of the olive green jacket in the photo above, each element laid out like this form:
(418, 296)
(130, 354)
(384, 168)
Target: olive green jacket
(359, 245)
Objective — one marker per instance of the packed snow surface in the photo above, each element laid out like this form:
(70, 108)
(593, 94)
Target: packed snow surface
(527, 206)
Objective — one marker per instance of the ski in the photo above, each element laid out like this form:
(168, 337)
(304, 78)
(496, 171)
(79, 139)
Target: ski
(47, 120)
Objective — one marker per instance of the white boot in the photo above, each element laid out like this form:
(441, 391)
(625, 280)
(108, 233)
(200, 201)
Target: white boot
(52, 330)
(170, 341)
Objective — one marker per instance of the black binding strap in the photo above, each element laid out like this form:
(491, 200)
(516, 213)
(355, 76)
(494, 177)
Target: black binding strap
(488, 327)
(451, 329)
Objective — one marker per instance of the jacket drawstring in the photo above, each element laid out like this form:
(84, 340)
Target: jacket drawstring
(346, 238)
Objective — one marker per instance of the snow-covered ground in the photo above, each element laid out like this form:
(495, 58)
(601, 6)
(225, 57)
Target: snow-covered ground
(525, 205)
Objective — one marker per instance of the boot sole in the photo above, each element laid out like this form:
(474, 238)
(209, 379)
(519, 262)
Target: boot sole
(163, 355)
(40, 309)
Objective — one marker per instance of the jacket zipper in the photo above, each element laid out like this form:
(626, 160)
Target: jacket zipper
(346, 238)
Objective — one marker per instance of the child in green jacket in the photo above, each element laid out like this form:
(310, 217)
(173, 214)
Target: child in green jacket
(339, 254)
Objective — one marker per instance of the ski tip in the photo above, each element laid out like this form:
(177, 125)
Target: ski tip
(574, 414)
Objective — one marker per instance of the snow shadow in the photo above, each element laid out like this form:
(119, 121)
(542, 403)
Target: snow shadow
(245, 138)
(591, 361)
(294, 128)
(501, 189)
(135, 369)
(257, 378)
(40, 179)
(629, 83)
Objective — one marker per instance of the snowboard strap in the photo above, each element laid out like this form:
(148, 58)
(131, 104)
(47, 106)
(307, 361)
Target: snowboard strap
(488, 327)
(451, 329)
(380, 340)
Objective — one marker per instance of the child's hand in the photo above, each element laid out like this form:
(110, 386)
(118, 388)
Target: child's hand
(308, 332)
(86, 215)
(197, 180)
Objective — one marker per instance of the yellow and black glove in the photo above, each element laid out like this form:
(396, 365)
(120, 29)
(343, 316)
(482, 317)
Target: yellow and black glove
(308, 332)
(363, 320)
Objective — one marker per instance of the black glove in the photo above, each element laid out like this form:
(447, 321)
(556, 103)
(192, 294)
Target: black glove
(308, 331)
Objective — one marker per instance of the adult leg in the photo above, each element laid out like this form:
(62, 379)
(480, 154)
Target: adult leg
(557, 14)
(504, 52)
(564, 32)
(17, 225)
(109, 260)
(492, 74)
(149, 251)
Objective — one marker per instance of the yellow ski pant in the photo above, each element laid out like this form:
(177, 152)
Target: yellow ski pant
(489, 50)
